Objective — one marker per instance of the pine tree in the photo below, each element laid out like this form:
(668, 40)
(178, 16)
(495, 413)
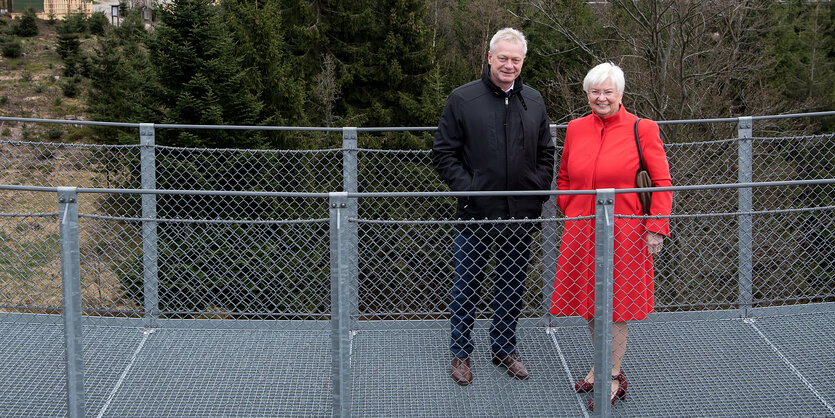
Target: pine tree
(385, 58)
(122, 80)
(70, 32)
(304, 30)
(803, 53)
(258, 31)
(829, 36)
(74, 23)
(26, 26)
(382, 57)
(68, 45)
(201, 78)
(98, 23)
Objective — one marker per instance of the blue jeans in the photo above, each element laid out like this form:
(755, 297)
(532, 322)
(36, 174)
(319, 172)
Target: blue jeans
(470, 254)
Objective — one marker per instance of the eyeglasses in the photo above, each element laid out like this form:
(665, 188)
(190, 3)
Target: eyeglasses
(605, 93)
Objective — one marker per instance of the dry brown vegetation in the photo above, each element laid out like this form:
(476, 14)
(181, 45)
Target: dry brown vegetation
(30, 88)
(30, 275)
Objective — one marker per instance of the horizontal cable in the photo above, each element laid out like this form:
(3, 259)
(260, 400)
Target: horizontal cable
(250, 151)
(466, 222)
(425, 194)
(66, 145)
(169, 192)
(725, 214)
(28, 215)
(372, 129)
(207, 221)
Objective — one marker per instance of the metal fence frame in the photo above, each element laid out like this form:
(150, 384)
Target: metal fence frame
(343, 274)
(344, 237)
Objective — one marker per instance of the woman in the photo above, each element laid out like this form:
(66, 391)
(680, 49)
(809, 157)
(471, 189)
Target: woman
(600, 152)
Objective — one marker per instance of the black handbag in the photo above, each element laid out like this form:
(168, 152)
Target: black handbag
(642, 178)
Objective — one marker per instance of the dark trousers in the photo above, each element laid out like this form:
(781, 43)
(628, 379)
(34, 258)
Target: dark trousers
(470, 255)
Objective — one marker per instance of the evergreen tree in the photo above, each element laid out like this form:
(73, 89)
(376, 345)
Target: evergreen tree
(303, 29)
(201, 78)
(98, 23)
(381, 53)
(26, 26)
(407, 51)
(385, 58)
(69, 50)
(73, 23)
(257, 29)
(305, 32)
(10, 47)
(70, 32)
(68, 44)
(122, 80)
(804, 70)
(829, 37)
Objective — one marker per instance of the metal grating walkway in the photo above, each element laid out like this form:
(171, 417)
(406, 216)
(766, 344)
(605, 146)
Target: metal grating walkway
(700, 364)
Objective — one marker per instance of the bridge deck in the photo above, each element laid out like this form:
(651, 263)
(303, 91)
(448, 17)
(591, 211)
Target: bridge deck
(700, 364)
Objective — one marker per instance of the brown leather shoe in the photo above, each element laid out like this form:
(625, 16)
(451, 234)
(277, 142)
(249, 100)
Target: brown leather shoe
(513, 364)
(461, 372)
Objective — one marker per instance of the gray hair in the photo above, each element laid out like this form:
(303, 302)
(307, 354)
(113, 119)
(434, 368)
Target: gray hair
(602, 72)
(510, 35)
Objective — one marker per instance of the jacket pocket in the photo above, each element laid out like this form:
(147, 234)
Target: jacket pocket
(474, 182)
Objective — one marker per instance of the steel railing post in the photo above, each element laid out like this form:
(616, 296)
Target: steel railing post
(71, 284)
(149, 224)
(340, 309)
(746, 205)
(604, 253)
(350, 180)
(549, 241)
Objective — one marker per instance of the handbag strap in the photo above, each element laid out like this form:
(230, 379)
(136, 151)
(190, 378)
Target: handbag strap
(638, 144)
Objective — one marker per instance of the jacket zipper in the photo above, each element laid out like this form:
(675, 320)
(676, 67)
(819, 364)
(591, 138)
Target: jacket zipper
(506, 104)
(506, 144)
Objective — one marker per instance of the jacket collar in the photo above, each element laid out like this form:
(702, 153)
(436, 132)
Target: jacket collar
(613, 119)
(485, 77)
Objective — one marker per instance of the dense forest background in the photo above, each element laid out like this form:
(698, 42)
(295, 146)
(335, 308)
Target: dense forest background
(393, 62)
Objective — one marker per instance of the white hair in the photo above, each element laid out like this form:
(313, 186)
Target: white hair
(602, 72)
(510, 35)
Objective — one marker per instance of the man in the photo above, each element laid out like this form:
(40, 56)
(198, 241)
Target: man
(493, 135)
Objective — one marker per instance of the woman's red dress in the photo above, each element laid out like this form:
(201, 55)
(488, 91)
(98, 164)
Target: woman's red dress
(599, 154)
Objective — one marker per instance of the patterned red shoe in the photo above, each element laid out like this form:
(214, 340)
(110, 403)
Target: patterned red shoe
(584, 386)
(619, 394)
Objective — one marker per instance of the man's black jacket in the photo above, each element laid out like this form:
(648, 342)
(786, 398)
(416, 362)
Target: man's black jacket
(490, 140)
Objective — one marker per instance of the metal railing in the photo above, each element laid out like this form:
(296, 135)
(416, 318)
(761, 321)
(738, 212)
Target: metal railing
(344, 315)
(367, 232)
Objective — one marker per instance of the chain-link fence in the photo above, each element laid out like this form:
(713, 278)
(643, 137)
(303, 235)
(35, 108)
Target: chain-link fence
(312, 282)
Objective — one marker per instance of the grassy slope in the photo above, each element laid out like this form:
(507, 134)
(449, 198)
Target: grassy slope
(30, 275)
(30, 87)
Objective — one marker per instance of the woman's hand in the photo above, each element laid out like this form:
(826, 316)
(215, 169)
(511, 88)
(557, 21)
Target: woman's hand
(654, 242)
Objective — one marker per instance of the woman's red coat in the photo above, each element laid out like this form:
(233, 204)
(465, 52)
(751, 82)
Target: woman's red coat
(598, 154)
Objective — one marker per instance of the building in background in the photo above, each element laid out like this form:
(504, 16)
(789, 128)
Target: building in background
(46, 9)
